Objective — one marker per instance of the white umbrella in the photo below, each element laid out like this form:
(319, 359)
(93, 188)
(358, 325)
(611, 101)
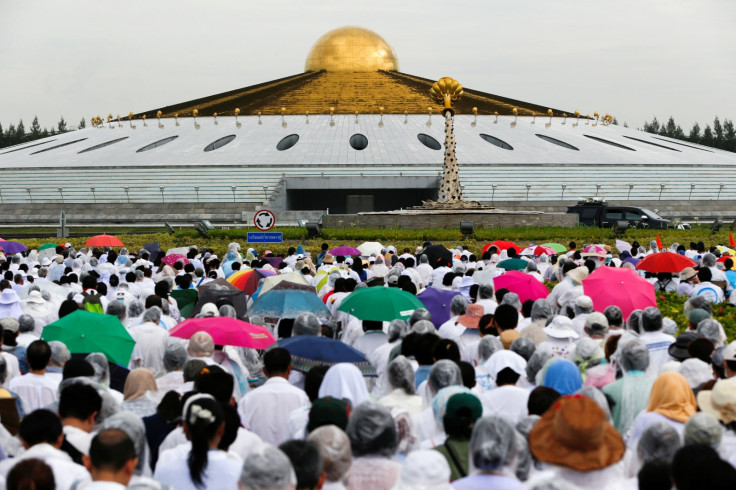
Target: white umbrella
(370, 248)
(179, 250)
(623, 246)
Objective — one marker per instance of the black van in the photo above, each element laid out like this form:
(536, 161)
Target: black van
(597, 212)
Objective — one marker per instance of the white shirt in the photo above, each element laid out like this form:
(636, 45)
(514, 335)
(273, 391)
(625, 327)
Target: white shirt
(709, 290)
(489, 305)
(36, 391)
(265, 410)
(66, 472)
(176, 445)
(509, 402)
(170, 381)
(370, 341)
(658, 344)
(78, 438)
(150, 344)
(221, 472)
(13, 366)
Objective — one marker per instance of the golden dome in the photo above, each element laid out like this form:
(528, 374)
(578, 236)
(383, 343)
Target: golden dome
(351, 49)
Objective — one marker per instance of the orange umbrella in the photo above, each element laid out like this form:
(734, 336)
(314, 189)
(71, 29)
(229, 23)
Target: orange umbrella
(104, 241)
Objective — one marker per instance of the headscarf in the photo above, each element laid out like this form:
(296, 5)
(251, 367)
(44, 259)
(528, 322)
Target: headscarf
(439, 403)
(672, 397)
(379, 268)
(139, 382)
(344, 381)
(563, 376)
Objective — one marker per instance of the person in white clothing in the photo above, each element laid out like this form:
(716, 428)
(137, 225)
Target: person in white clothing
(657, 342)
(111, 462)
(174, 359)
(706, 288)
(268, 467)
(79, 404)
(486, 299)
(150, 342)
(506, 400)
(36, 389)
(265, 410)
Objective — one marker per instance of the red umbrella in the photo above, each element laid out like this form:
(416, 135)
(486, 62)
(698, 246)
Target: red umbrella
(624, 288)
(174, 258)
(664, 262)
(226, 331)
(247, 279)
(525, 285)
(501, 245)
(104, 241)
(541, 249)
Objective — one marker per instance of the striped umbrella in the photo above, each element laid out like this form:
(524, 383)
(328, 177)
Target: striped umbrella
(247, 279)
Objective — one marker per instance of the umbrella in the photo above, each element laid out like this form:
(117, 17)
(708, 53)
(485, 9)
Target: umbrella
(623, 246)
(186, 300)
(541, 249)
(47, 245)
(380, 304)
(370, 248)
(345, 251)
(593, 251)
(624, 288)
(84, 332)
(103, 241)
(525, 285)
(321, 278)
(179, 250)
(528, 250)
(226, 331)
(12, 247)
(308, 351)
(58, 293)
(153, 248)
(501, 245)
(215, 293)
(217, 282)
(274, 261)
(118, 373)
(288, 303)
(174, 258)
(293, 285)
(665, 262)
(437, 302)
(557, 247)
(512, 264)
(247, 279)
(438, 256)
(295, 277)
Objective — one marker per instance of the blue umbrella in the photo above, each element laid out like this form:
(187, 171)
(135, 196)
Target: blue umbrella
(287, 303)
(308, 351)
(437, 301)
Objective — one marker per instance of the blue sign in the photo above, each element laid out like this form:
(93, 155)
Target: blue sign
(265, 237)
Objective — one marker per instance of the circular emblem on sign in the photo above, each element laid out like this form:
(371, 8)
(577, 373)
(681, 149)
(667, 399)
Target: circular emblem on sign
(264, 220)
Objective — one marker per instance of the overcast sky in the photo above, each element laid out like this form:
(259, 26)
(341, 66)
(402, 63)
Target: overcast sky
(631, 58)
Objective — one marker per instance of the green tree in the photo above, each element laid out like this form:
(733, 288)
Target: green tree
(10, 136)
(695, 133)
(61, 125)
(670, 128)
(729, 135)
(717, 133)
(82, 124)
(2, 136)
(652, 127)
(707, 138)
(20, 132)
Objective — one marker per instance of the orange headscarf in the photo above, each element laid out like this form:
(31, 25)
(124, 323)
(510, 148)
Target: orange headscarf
(672, 397)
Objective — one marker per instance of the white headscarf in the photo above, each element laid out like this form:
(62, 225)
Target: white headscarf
(344, 381)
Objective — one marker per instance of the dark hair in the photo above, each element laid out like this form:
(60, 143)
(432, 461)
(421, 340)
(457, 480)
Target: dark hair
(424, 348)
(111, 449)
(40, 426)
(369, 325)
(540, 399)
(701, 348)
(277, 361)
(485, 325)
(500, 293)
(306, 460)
(232, 424)
(468, 373)
(162, 289)
(89, 282)
(506, 317)
(66, 307)
(31, 474)
(153, 300)
(705, 275)
(38, 355)
(285, 328)
(698, 466)
(507, 376)
(446, 349)
(79, 401)
(216, 382)
(77, 368)
(654, 475)
(115, 280)
(526, 308)
(202, 429)
(313, 381)
(192, 368)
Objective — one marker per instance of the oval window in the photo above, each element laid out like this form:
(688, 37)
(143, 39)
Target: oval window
(495, 141)
(557, 142)
(612, 143)
(653, 144)
(287, 142)
(102, 145)
(358, 142)
(58, 146)
(219, 143)
(158, 143)
(27, 146)
(429, 142)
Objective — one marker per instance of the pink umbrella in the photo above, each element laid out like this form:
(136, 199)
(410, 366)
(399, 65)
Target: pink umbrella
(525, 285)
(226, 331)
(174, 258)
(593, 250)
(624, 288)
(345, 251)
(541, 249)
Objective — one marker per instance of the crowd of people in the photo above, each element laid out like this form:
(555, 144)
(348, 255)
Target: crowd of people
(486, 392)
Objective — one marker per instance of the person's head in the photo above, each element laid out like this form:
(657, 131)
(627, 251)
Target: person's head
(535, 364)
(38, 355)
(541, 309)
(513, 300)
(615, 316)
(372, 431)
(400, 375)
(313, 381)
(705, 275)
(306, 324)
(267, 468)
(201, 345)
(175, 356)
(133, 426)
(40, 426)
(485, 291)
(111, 457)
(488, 346)
(699, 466)
(81, 402)
(30, 474)
(492, 445)
(659, 442)
(60, 354)
(204, 426)
(446, 349)
(418, 315)
(443, 373)
(458, 305)
(703, 428)
(541, 399)
(523, 346)
(634, 356)
(461, 413)
(334, 446)
(651, 319)
(215, 381)
(116, 308)
(709, 329)
(277, 362)
(138, 383)
(26, 324)
(506, 317)
(306, 460)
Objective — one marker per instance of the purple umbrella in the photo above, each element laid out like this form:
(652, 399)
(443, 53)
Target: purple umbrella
(437, 301)
(345, 251)
(274, 261)
(12, 247)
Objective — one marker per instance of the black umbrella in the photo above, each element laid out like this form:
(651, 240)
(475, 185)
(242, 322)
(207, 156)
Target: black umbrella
(215, 293)
(438, 256)
(118, 373)
(153, 247)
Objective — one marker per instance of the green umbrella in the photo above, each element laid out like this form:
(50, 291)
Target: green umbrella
(513, 264)
(380, 304)
(186, 300)
(84, 332)
(557, 247)
(47, 245)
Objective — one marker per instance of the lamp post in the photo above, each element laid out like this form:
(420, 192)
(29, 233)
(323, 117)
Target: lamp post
(232, 188)
(692, 187)
(161, 188)
(196, 191)
(628, 196)
(562, 195)
(720, 188)
(265, 192)
(493, 192)
(661, 189)
(28, 190)
(61, 193)
(528, 187)
(127, 192)
(94, 196)
(597, 188)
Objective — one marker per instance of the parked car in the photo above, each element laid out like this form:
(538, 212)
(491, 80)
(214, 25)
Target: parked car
(597, 212)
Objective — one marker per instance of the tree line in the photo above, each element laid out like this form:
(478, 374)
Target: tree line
(720, 135)
(17, 134)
